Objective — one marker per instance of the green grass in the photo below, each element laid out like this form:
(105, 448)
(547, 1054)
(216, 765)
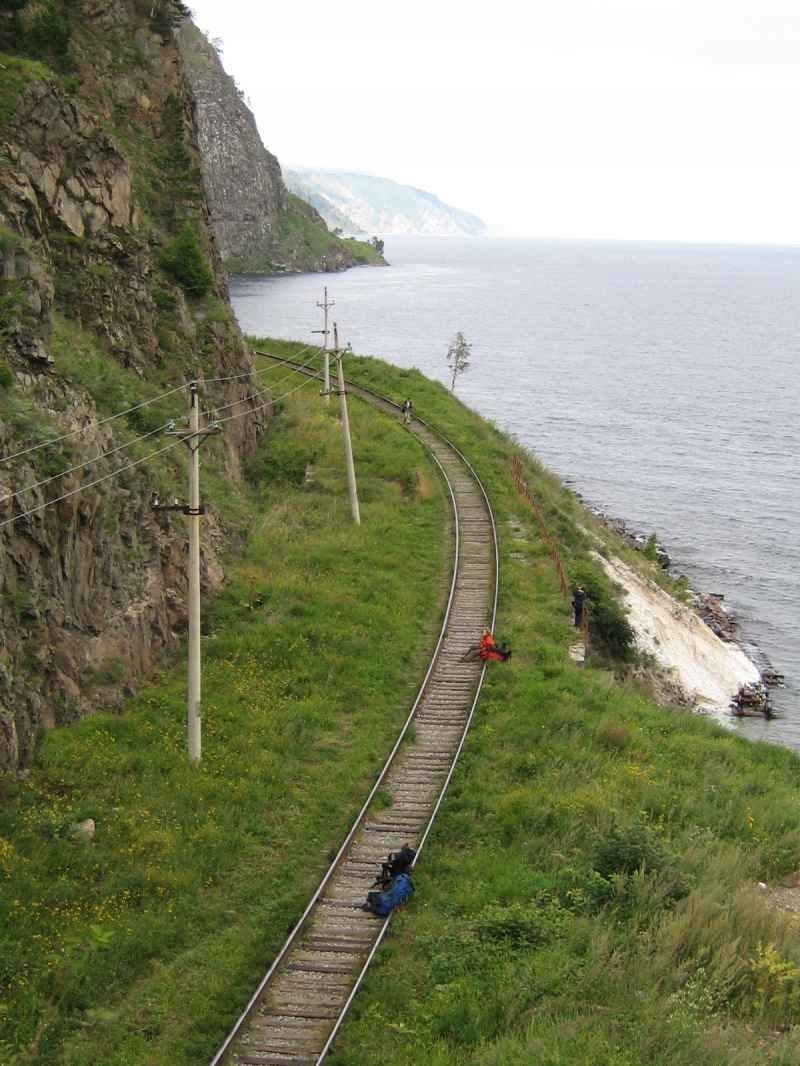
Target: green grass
(142, 946)
(363, 252)
(302, 240)
(587, 895)
(16, 73)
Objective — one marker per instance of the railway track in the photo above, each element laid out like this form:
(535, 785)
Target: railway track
(295, 1013)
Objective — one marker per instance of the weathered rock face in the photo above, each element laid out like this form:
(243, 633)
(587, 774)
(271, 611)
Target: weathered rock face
(94, 185)
(243, 180)
(260, 227)
(68, 168)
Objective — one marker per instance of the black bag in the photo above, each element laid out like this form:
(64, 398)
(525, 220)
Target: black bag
(398, 862)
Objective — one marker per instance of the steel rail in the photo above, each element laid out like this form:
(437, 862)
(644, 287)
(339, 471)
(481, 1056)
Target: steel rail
(361, 818)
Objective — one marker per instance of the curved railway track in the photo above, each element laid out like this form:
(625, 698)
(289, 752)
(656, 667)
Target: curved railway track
(295, 1013)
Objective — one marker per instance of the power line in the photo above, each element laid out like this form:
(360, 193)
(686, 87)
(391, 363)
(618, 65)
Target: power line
(269, 403)
(85, 429)
(248, 373)
(138, 462)
(230, 377)
(81, 466)
(91, 484)
(130, 410)
(258, 394)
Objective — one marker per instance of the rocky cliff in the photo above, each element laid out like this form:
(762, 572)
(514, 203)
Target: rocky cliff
(260, 227)
(361, 203)
(112, 291)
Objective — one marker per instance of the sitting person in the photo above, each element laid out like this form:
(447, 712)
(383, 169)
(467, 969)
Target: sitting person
(487, 649)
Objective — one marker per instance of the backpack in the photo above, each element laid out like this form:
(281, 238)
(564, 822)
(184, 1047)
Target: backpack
(383, 903)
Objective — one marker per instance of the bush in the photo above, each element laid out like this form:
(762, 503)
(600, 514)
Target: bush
(279, 461)
(613, 734)
(13, 306)
(650, 549)
(47, 38)
(6, 377)
(629, 848)
(167, 15)
(184, 261)
(609, 630)
(521, 924)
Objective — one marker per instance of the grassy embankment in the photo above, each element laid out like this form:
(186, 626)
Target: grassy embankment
(588, 896)
(300, 228)
(303, 238)
(143, 945)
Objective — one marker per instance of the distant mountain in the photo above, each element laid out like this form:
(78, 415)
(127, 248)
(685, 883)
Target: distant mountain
(362, 204)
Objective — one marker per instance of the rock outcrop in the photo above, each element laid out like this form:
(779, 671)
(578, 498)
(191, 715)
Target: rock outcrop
(66, 166)
(260, 227)
(99, 176)
(243, 180)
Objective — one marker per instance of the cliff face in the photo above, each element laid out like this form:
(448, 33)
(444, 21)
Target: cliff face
(260, 227)
(112, 290)
(243, 180)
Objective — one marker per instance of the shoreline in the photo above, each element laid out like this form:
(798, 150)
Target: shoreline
(718, 672)
(710, 672)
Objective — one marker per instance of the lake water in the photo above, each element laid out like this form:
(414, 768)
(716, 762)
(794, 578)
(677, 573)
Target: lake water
(663, 380)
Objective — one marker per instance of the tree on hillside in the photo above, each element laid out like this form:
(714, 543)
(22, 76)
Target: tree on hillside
(458, 356)
(167, 15)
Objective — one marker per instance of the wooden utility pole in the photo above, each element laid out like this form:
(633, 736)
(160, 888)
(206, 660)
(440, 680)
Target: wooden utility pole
(193, 438)
(348, 445)
(325, 305)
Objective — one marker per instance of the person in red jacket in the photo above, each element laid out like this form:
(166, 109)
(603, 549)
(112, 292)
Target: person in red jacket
(486, 649)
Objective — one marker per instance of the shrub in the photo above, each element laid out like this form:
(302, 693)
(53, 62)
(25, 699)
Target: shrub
(650, 549)
(167, 15)
(279, 461)
(13, 306)
(164, 300)
(184, 261)
(629, 848)
(8, 240)
(613, 734)
(521, 924)
(609, 630)
(6, 377)
(776, 982)
(47, 38)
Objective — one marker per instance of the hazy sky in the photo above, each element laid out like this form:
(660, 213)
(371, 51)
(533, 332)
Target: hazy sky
(664, 119)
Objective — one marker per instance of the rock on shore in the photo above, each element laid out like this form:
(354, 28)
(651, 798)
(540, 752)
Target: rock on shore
(711, 671)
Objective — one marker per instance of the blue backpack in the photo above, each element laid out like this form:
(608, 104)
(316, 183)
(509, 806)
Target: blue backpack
(383, 903)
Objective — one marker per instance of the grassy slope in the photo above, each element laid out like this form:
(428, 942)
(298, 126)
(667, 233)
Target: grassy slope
(143, 946)
(302, 233)
(302, 240)
(588, 896)
(16, 73)
(585, 897)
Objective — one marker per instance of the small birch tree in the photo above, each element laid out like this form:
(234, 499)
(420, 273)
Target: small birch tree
(458, 356)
